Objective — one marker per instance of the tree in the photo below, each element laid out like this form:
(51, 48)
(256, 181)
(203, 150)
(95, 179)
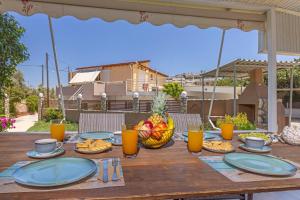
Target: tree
(173, 89)
(12, 51)
(230, 82)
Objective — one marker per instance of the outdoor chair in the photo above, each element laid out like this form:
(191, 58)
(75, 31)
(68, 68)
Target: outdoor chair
(181, 121)
(91, 121)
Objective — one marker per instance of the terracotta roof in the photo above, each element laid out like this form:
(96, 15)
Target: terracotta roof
(124, 63)
(114, 64)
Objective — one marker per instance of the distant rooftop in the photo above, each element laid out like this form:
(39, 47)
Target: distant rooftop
(96, 67)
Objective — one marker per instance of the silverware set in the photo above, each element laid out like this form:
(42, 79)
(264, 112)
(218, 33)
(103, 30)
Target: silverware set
(115, 163)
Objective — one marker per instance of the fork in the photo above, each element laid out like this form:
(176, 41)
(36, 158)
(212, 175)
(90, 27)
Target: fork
(115, 163)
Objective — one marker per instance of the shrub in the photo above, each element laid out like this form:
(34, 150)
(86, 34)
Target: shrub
(32, 103)
(52, 113)
(240, 122)
(173, 89)
(6, 123)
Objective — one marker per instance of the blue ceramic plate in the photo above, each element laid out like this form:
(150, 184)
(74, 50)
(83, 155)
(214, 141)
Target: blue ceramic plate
(34, 154)
(207, 136)
(55, 172)
(260, 164)
(264, 149)
(100, 135)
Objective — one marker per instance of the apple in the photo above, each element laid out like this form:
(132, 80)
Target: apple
(145, 131)
(149, 124)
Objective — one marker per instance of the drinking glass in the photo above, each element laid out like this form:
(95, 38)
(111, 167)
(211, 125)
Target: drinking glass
(57, 130)
(130, 142)
(195, 138)
(227, 131)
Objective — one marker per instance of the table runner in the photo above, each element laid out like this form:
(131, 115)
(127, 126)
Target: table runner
(236, 175)
(7, 184)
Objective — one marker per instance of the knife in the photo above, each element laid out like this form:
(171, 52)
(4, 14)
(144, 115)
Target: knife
(105, 171)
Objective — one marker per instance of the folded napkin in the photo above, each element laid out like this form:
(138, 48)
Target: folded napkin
(109, 170)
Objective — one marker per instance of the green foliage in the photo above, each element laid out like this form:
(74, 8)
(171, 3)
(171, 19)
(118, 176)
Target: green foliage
(229, 82)
(240, 122)
(32, 103)
(226, 120)
(52, 113)
(12, 51)
(17, 91)
(173, 89)
(45, 126)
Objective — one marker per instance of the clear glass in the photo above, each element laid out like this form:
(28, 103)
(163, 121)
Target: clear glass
(57, 130)
(195, 138)
(227, 131)
(130, 142)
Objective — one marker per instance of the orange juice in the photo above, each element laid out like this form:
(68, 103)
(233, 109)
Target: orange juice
(195, 140)
(57, 131)
(130, 142)
(227, 131)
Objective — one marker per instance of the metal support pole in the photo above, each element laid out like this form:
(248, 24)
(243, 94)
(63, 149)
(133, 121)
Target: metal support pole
(47, 80)
(272, 69)
(291, 95)
(216, 78)
(234, 90)
(203, 96)
(57, 70)
(43, 77)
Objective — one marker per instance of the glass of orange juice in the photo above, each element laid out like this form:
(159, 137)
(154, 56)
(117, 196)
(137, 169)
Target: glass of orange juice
(227, 131)
(195, 138)
(129, 142)
(57, 130)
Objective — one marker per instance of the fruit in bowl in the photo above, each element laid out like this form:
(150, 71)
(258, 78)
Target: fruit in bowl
(158, 129)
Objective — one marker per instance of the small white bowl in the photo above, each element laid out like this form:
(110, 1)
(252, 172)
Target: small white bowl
(254, 142)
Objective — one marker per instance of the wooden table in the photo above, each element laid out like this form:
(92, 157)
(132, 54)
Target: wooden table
(155, 174)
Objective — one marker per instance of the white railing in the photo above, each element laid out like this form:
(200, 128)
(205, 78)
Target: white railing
(74, 96)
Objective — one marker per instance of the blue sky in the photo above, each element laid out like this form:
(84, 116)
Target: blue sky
(93, 42)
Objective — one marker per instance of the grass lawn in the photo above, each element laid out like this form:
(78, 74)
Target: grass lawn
(42, 126)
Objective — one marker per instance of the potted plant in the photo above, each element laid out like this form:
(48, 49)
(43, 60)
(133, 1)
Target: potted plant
(227, 126)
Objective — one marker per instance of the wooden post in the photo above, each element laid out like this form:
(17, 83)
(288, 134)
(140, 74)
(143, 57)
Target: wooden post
(6, 105)
(135, 106)
(183, 102)
(47, 79)
(103, 102)
(40, 106)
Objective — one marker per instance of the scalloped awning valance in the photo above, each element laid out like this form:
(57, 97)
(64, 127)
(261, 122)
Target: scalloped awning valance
(178, 13)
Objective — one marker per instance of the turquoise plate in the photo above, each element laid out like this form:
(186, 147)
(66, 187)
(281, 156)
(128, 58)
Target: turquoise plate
(260, 164)
(264, 149)
(54, 172)
(34, 154)
(207, 136)
(100, 135)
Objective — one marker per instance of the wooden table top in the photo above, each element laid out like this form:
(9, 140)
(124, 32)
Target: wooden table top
(170, 172)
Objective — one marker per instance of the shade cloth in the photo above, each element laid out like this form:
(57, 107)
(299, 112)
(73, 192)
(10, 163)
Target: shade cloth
(135, 12)
(84, 77)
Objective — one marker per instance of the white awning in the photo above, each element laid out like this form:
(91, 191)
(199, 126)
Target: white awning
(178, 13)
(84, 77)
